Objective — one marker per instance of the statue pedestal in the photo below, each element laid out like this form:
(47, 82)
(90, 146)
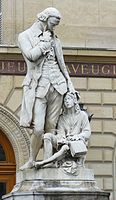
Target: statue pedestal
(56, 184)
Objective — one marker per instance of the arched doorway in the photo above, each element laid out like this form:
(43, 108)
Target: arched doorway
(7, 165)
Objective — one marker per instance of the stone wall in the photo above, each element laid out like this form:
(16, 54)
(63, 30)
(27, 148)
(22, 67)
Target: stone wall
(98, 95)
(90, 24)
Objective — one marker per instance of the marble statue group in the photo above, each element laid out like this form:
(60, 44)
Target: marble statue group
(59, 122)
(50, 104)
(60, 125)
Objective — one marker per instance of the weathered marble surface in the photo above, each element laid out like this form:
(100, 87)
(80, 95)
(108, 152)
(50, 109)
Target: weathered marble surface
(55, 184)
(58, 196)
(55, 179)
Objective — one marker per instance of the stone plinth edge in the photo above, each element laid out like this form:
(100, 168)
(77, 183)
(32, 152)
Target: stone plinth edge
(58, 196)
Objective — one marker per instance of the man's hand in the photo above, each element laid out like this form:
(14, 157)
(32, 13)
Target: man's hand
(46, 42)
(70, 86)
(46, 37)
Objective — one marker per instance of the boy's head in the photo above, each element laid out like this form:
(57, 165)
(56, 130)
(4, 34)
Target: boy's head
(71, 99)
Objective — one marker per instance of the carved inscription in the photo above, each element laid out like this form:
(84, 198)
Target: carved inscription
(91, 69)
(75, 69)
(12, 67)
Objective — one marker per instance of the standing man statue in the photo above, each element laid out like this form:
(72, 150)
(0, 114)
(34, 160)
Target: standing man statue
(46, 81)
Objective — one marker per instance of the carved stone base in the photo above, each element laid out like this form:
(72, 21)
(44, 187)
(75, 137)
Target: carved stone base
(58, 196)
(56, 184)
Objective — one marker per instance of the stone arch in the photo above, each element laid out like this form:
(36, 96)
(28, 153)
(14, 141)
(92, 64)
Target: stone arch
(18, 136)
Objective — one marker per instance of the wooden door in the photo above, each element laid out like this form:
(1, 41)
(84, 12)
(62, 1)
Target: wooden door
(7, 165)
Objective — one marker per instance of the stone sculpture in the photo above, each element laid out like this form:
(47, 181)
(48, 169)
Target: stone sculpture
(64, 137)
(73, 133)
(46, 81)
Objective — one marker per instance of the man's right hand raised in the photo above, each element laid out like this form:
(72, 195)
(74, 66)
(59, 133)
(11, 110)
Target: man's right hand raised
(46, 37)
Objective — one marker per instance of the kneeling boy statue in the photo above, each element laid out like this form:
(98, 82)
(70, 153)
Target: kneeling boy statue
(70, 141)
